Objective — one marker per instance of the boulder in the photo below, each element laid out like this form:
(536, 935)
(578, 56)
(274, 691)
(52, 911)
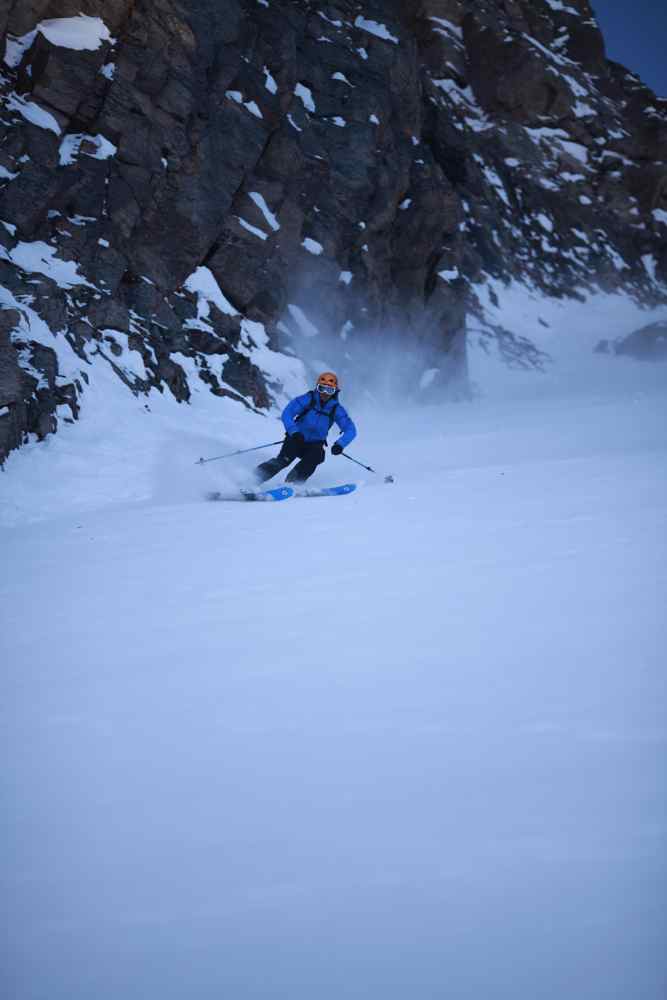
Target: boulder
(646, 344)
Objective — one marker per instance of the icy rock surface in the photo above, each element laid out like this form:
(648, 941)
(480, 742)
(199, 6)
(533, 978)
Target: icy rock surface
(424, 149)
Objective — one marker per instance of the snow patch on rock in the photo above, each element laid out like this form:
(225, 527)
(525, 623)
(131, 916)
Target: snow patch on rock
(375, 28)
(16, 47)
(306, 97)
(253, 229)
(203, 284)
(70, 148)
(82, 32)
(32, 113)
(305, 326)
(40, 258)
(312, 246)
(265, 210)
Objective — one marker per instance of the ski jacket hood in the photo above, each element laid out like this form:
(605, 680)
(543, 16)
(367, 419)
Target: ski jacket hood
(307, 415)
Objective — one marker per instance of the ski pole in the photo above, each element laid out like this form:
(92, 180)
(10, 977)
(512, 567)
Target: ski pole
(243, 451)
(349, 457)
(387, 479)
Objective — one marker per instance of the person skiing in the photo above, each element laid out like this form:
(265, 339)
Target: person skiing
(308, 420)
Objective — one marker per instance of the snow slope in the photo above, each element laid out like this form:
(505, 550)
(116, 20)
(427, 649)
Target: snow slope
(406, 743)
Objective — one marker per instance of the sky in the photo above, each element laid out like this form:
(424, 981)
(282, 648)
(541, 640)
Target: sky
(635, 36)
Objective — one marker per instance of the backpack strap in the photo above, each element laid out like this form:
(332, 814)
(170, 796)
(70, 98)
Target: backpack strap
(308, 407)
(312, 405)
(332, 415)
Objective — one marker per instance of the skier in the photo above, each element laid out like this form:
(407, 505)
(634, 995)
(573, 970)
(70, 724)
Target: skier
(308, 419)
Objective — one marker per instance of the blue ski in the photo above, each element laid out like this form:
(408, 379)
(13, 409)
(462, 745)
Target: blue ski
(326, 491)
(280, 493)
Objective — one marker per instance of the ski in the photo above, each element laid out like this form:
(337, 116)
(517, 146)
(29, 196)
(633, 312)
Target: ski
(326, 491)
(285, 492)
(280, 493)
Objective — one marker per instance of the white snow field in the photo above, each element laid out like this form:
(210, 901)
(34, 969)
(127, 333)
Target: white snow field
(408, 744)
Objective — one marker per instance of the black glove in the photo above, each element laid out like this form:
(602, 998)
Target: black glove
(336, 449)
(297, 439)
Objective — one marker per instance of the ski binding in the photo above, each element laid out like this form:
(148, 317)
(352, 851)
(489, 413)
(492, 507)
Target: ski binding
(279, 493)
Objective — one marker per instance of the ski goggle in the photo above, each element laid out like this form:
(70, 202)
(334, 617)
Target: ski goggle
(327, 390)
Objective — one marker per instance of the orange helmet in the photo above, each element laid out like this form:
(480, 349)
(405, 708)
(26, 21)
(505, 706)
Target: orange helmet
(328, 379)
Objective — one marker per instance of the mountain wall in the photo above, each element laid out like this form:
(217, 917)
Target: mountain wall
(207, 191)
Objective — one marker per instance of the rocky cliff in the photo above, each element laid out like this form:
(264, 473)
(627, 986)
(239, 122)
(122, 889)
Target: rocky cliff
(195, 190)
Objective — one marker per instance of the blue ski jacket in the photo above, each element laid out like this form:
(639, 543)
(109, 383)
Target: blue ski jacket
(308, 416)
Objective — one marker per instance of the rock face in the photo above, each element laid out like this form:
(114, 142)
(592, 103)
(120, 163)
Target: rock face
(647, 344)
(189, 187)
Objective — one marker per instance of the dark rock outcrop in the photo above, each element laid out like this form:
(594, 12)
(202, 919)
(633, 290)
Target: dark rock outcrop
(357, 167)
(647, 344)
(31, 390)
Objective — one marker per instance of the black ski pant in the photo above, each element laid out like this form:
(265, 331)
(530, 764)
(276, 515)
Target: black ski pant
(309, 453)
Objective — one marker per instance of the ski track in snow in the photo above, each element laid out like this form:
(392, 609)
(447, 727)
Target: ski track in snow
(405, 743)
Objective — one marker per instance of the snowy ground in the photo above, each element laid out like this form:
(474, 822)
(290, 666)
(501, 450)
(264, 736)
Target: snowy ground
(408, 743)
